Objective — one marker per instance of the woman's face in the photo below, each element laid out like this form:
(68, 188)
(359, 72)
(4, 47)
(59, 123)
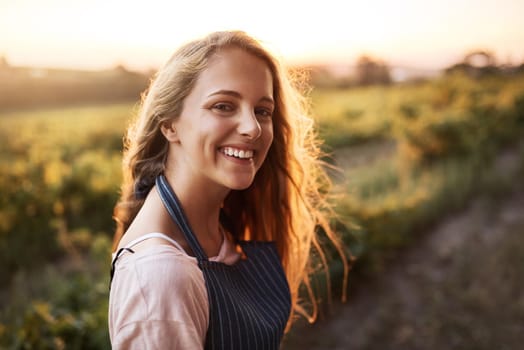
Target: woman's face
(225, 129)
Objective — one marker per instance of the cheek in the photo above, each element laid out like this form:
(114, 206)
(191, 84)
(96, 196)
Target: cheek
(214, 125)
(268, 134)
(209, 130)
(267, 140)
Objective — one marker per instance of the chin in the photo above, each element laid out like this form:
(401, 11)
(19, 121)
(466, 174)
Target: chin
(239, 185)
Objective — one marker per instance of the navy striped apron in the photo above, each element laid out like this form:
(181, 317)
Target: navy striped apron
(250, 301)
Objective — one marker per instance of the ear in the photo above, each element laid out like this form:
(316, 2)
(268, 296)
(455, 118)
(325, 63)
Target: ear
(169, 131)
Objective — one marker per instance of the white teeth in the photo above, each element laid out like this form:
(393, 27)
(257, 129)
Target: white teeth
(233, 152)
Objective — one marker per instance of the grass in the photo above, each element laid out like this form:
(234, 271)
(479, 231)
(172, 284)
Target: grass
(390, 204)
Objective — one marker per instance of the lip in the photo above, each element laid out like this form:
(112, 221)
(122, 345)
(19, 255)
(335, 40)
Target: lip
(239, 146)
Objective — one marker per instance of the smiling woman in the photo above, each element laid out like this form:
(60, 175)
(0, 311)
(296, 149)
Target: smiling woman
(220, 203)
(228, 112)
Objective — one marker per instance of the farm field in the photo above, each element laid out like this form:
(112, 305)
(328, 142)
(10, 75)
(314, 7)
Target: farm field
(408, 156)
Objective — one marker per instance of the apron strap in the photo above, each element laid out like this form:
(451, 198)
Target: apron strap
(174, 208)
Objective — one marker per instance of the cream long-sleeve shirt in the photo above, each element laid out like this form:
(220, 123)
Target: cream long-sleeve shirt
(158, 297)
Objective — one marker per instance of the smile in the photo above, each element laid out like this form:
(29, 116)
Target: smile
(237, 153)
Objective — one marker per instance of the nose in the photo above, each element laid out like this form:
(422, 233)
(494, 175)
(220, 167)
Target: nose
(248, 125)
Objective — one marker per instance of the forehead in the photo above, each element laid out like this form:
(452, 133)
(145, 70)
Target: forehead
(237, 70)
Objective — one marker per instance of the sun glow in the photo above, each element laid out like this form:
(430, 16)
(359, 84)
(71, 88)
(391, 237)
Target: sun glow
(97, 34)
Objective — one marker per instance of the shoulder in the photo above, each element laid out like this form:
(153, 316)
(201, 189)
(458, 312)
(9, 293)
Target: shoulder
(159, 272)
(159, 283)
(164, 268)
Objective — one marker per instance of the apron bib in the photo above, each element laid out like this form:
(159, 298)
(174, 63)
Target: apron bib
(250, 301)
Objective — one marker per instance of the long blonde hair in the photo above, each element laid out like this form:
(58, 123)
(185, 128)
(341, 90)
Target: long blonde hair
(287, 202)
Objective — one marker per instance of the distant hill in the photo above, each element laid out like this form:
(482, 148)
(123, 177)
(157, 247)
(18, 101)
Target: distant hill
(26, 87)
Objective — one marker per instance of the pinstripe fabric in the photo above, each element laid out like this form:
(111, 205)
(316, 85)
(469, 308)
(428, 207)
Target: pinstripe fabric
(249, 301)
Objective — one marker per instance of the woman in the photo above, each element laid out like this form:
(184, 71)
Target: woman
(219, 204)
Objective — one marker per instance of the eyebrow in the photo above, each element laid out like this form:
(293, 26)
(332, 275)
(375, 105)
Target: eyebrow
(238, 95)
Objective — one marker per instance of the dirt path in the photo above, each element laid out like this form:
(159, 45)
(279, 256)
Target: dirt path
(460, 287)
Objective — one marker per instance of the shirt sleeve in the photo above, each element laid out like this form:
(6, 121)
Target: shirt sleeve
(160, 335)
(158, 301)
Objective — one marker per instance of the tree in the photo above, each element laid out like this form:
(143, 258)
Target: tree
(3, 63)
(477, 63)
(370, 71)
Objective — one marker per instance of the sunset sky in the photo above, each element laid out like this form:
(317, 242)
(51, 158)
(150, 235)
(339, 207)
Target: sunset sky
(97, 34)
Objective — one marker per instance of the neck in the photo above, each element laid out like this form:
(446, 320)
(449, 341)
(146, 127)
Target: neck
(201, 203)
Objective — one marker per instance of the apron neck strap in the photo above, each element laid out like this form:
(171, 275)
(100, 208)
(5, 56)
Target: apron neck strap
(176, 212)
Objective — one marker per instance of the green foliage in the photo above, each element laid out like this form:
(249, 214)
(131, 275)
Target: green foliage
(391, 206)
(446, 133)
(57, 176)
(63, 307)
(352, 116)
(445, 117)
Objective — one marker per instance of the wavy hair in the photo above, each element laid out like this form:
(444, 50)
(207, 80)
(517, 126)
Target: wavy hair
(287, 202)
